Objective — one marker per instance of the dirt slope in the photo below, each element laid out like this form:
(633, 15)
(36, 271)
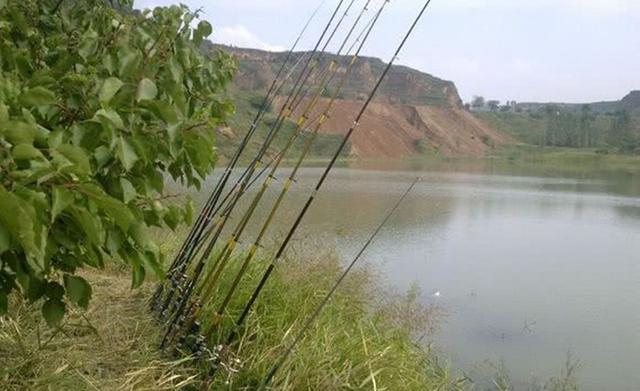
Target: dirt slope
(413, 112)
(395, 131)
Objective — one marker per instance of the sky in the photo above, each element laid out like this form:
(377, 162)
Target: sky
(537, 50)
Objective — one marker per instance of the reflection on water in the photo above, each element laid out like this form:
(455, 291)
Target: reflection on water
(530, 266)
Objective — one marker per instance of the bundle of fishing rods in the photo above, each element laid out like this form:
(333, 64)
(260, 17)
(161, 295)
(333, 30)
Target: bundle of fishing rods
(189, 302)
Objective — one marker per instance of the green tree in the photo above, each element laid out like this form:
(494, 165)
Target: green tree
(587, 131)
(478, 102)
(97, 104)
(620, 134)
(493, 105)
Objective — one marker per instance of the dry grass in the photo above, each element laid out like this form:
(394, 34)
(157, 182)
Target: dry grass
(110, 347)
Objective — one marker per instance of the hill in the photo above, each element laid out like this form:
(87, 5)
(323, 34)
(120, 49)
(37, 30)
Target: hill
(631, 102)
(414, 112)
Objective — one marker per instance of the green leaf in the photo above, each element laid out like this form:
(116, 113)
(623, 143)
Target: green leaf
(20, 220)
(3, 3)
(188, 213)
(129, 193)
(109, 89)
(5, 239)
(111, 116)
(53, 312)
(140, 234)
(112, 207)
(126, 153)
(164, 110)
(89, 44)
(109, 63)
(102, 155)
(17, 132)
(176, 70)
(115, 239)
(138, 276)
(55, 139)
(4, 112)
(38, 96)
(77, 156)
(78, 290)
(147, 90)
(173, 217)
(35, 289)
(89, 224)
(130, 62)
(26, 152)
(202, 31)
(61, 199)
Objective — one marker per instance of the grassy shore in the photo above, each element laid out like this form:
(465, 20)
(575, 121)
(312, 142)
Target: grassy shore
(363, 340)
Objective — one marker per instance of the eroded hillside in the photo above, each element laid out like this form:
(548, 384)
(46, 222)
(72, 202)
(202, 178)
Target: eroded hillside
(413, 113)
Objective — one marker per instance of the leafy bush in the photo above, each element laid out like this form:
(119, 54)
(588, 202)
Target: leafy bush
(96, 106)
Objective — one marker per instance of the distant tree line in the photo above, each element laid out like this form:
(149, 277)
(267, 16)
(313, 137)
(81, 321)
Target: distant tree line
(583, 128)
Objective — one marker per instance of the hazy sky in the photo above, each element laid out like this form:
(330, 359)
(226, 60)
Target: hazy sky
(537, 50)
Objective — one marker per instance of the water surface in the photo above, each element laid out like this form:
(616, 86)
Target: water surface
(530, 267)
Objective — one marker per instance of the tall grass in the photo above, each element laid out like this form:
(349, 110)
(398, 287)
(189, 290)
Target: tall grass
(363, 340)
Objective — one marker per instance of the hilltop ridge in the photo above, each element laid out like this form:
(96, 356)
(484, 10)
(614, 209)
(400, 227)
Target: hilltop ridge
(403, 85)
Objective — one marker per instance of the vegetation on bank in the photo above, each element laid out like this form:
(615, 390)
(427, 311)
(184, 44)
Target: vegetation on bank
(365, 338)
(553, 126)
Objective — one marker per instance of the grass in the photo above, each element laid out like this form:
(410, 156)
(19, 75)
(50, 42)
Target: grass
(363, 340)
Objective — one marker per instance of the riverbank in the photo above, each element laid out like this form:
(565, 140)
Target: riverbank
(364, 338)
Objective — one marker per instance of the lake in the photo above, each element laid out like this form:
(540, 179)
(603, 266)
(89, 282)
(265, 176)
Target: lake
(530, 267)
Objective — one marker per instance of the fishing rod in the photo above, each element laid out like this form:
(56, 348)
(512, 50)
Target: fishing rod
(226, 253)
(312, 197)
(200, 266)
(254, 162)
(197, 227)
(292, 177)
(191, 245)
(221, 261)
(307, 324)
